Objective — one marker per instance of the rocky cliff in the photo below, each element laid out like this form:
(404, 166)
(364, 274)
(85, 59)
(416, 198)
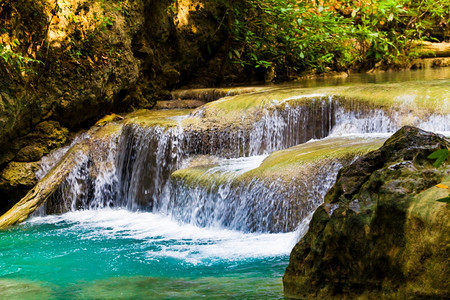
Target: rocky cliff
(66, 63)
(381, 232)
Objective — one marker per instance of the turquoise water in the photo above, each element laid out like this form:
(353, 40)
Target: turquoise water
(117, 254)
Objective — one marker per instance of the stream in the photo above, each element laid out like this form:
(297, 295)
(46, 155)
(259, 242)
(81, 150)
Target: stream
(134, 231)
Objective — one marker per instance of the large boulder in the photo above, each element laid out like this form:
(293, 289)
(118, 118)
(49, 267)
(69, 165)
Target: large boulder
(380, 232)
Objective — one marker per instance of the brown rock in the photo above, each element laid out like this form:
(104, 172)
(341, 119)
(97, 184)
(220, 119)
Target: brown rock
(15, 181)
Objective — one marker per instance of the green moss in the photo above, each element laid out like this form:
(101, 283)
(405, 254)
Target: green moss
(106, 131)
(148, 118)
(286, 163)
(200, 177)
(427, 240)
(199, 173)
(294, 162)
(21, 289)
(19, 174)
(420, 97)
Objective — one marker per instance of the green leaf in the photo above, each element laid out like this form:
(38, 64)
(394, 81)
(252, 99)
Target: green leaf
(445, 199)
(440, 155)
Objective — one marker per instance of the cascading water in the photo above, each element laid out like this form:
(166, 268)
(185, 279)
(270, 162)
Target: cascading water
(135, 225)
(218, 198)
(145, 160)
(144, 157)
(135, 167)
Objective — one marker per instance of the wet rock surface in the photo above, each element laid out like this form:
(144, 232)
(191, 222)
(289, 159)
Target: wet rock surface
(380, 232)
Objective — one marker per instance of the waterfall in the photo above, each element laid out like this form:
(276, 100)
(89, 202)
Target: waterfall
(134, 167)
(145, 160)
(250, 205)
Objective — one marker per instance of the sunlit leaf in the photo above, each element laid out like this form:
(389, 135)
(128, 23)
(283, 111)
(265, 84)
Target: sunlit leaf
(442, 186)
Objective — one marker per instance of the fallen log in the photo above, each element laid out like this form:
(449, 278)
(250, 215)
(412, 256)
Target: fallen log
(44, 188)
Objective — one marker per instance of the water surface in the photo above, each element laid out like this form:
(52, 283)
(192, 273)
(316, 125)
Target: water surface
(113, 254)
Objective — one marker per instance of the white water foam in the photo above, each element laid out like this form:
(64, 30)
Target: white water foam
(237, 166)
(167, 238)
(50, 160)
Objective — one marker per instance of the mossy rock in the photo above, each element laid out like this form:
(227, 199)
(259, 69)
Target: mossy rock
(200, 172)
(427, 242)
(31, 153)
(162, 118)
(380, 233)
(46, 136)
(399, 100)
(20, 173)
(286, 164)
(24, 290)
(15, 181)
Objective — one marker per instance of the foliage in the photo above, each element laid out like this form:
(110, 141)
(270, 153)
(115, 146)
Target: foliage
(292, 36)
(15, 64)
(440, 155)
(22, 32)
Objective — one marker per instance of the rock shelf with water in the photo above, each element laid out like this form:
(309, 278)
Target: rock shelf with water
(263, 194)
(146, 147)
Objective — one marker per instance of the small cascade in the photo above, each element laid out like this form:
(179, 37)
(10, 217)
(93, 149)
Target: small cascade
(354, 119)
(145, 160)
(291, 125)
(49, 161)
(274, 127)
(219, 197)
(92, 182)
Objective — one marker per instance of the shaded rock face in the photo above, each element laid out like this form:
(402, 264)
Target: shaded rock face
(380, 232)
(98, 57)
(15, 181)
(17, 177)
